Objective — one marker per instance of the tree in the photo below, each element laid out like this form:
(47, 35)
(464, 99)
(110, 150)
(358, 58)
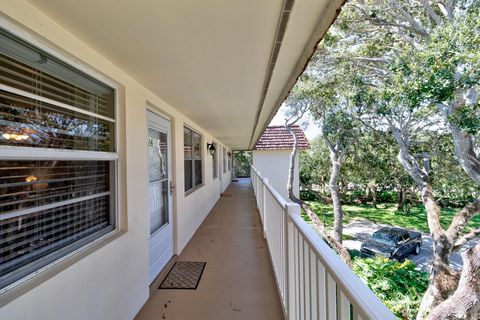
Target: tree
(315, 169)
(297, 107)
(338, 132)
(419, 60)
(243, 161)
(444, 78)
(299, 102)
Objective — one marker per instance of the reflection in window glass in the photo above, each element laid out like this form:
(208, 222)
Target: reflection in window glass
(197, 145)
(188, 175)
(215, 162)
(49, 206)
(27, 122)
(198, 172)
(193, 158)
(187, 143)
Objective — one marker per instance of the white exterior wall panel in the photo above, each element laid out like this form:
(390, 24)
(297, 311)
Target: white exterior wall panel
(112, 282)
(274, 164)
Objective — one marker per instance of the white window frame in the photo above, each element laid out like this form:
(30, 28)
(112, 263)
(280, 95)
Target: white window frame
(38, 276)
(230, 161)
(224, 155)
(215, 161)
(202, 159)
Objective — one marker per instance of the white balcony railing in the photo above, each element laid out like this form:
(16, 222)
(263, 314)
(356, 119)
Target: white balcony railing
(312, 281)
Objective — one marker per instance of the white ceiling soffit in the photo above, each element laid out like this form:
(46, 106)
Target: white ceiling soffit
(225, 64)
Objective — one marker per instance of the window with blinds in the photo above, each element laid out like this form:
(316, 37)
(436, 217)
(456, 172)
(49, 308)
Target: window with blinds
(215, 161)
(224, 160)
(193, 157)
(58, 159)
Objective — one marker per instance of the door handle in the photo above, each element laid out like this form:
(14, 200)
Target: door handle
(171, 187)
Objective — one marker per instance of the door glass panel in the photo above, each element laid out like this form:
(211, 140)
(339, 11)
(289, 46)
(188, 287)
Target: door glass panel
(158, 179)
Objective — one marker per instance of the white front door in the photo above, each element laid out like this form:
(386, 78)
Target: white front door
(159, 194)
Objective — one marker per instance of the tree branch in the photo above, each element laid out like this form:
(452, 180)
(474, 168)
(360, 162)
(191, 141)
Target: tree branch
(408, 18)
(461, 219)
(466, 238)
(337, 246)
(431, 12)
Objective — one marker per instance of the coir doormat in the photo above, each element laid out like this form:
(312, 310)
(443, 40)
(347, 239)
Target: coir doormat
(184, 275)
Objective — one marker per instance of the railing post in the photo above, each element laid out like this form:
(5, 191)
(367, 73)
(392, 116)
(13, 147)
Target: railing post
(294, 209)
(252, 179)
(258, 180)
(264, 209)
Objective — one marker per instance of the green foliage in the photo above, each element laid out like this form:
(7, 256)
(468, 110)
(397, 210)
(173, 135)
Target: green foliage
(314, 163)
(386, 213)
(466, 117)
(243, 161)
(443, 72)
(387, 196)
(410, 68)
(398, 285)
(307, 195)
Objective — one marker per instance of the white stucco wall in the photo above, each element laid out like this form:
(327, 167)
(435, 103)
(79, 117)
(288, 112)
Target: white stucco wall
(274, 164)
(112, 282)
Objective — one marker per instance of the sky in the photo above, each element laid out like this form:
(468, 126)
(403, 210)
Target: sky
(311, 129)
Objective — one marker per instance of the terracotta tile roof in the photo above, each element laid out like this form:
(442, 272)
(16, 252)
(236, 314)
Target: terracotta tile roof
(278, 138)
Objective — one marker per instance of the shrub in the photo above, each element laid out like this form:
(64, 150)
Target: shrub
(398, 285)
(307, 195)
(387, 196)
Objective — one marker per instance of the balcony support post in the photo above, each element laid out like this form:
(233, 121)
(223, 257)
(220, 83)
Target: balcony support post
(264, 206)
(291, 208)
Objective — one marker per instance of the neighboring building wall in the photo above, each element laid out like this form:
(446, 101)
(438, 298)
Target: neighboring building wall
(274, 164)
(112, 282)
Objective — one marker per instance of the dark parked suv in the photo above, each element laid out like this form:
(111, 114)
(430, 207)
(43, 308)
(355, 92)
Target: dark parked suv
(392, 243)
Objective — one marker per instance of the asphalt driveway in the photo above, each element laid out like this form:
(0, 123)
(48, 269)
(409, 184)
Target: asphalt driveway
(360, 229)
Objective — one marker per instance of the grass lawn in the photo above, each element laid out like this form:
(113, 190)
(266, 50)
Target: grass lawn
(387, 214)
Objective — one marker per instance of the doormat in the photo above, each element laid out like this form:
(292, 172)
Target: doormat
(234, 180)
(184, 275)
(226, 195)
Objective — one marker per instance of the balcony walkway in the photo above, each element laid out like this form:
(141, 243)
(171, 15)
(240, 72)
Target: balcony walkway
(238, 281)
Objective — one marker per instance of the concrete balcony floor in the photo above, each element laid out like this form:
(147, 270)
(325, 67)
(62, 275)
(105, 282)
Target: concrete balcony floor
(238, 281)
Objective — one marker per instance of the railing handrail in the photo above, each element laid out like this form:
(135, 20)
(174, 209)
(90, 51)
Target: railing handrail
(355, 289)
(281, 201)
(367, 305)
(256, 172)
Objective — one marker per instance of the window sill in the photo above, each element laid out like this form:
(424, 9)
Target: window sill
(189, 192)
(35, 279)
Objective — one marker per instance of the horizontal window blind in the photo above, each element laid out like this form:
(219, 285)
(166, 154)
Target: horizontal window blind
(29, 69)
(49, 206)
(26, 184)
(32, 123)
(46, 205)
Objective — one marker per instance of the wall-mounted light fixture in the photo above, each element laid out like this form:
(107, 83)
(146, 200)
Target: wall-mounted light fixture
(211, 148)
(229, 154)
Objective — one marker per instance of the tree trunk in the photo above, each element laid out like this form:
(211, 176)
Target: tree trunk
(464, 303)
(373, 189)
(335, 193)
(367, 195)
(291, 168)
(337, 246)
(401, 198)
(443, 279)
(319, 196)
